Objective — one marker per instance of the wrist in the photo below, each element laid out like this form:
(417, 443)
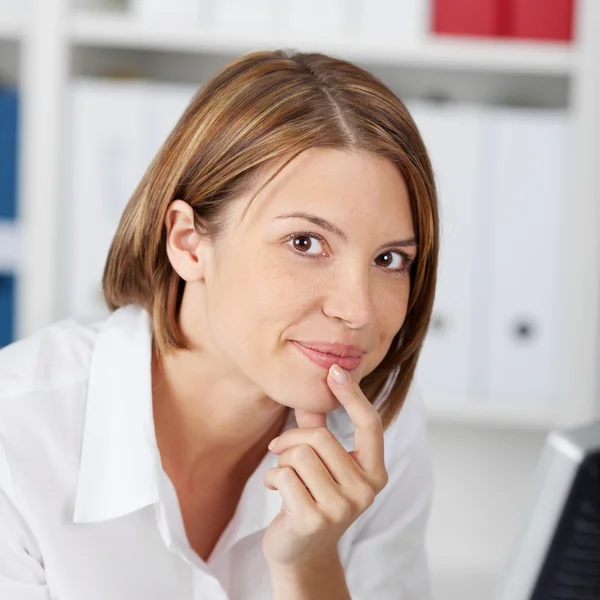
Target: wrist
(318, 578)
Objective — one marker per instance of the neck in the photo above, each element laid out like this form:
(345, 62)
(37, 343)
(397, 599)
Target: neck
(204, 418)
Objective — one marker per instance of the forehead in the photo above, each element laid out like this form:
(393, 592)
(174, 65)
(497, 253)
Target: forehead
(332, 182)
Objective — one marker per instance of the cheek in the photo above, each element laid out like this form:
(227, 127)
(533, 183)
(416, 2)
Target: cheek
(254, 299)
(391, 313)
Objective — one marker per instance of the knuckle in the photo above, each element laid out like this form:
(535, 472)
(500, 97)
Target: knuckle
(343, 511)
(315, 521)
(322, 435)
(300, 452)
(367, 497)
(285, 474)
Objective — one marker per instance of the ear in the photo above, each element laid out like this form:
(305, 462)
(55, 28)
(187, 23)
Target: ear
(186, 249)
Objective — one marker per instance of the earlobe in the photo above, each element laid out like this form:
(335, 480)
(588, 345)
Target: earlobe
(183, 242)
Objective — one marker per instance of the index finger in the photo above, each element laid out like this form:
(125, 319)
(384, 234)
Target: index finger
(368, 428)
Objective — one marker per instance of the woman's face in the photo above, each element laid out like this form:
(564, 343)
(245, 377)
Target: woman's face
(279, 280)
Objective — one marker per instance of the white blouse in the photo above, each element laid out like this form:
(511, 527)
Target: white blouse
(88, 513)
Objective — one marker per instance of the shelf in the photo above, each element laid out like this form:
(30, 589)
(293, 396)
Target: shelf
(501, 56)
(472, 410)
(11, 28)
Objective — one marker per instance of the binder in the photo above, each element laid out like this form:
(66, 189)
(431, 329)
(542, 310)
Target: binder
(393, 20)
(180, 10)
(321, 19)
(527, 199)
(7, 309)
(542, 19)
(455, 136)
(9, 117)
(470, 17)
(163, 106)
(242, 17)
(117, 128)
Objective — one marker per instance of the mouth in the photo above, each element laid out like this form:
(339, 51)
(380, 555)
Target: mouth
(324, 360)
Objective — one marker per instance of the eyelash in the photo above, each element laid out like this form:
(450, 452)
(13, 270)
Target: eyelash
(408, 260)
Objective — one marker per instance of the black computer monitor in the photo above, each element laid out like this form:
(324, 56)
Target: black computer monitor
(556, 555)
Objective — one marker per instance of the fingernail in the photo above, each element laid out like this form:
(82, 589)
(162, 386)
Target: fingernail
(272, 444)
(338, 374)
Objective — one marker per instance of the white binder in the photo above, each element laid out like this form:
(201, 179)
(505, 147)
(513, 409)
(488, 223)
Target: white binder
(243, 16)
(391, 20)
(318, 19)
(165, 105)
(179, 10)
(527, 199)
(455, 137)
(117, 127)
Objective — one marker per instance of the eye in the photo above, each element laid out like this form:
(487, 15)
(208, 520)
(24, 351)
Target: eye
(400, 263)
(301, 243)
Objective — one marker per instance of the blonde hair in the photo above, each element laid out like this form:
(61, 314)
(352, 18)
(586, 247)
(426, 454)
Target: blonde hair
(260, 109)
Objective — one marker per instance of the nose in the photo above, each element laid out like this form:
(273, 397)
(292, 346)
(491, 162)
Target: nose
(349, 297)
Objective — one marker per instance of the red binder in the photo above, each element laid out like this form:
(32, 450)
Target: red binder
(542, 19)
(470, 17)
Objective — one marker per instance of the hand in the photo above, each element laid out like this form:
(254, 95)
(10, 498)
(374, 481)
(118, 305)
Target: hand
(324, 488)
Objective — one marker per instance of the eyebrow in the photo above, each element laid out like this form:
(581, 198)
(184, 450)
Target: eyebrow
(328, 226)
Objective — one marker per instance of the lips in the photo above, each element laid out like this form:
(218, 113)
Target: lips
(325, 360)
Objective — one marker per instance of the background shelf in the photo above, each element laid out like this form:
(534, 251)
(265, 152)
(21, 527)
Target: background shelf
(501, 56)
(493, 412)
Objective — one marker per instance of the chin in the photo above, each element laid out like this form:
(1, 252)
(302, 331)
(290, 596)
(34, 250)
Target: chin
(306, 392)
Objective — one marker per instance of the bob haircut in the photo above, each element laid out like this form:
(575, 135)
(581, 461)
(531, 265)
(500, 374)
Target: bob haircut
(262, 109)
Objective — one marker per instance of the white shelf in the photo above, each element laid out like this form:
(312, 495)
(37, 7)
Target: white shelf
(479, 411)
(11, 28)
(502, 56)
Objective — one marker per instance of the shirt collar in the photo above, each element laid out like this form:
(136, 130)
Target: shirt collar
(120, 469)
(120, 458)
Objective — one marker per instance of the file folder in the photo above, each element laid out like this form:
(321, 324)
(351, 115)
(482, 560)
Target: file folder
(9, 117)
(394, 20)
(542, 19)
(180, 10)
(7, 309)
(117, 128)
(455, 137)
(470, 17)
(527, 196)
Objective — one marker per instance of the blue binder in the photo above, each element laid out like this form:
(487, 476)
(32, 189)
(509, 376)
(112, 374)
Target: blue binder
(9, 116)
(7, 309)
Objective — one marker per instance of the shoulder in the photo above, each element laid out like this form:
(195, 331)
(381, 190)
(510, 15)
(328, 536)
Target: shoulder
(43, 384)
(54, 357)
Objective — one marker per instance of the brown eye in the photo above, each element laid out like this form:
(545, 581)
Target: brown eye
(398, 265)
(387, 259)
(309, 245)
(302, 242)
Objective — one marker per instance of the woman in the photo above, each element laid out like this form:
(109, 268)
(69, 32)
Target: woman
(283, 240)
